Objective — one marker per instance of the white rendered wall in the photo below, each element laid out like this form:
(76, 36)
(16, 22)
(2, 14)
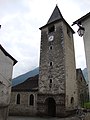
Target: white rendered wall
(86, 37)
(6, 67)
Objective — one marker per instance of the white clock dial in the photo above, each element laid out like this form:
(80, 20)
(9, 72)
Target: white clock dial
(51, 38)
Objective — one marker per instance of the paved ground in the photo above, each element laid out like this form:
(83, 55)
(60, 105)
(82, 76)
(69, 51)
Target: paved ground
(37, 118)
(88, 116)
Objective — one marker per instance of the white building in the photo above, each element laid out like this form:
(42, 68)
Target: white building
(85, 23)
(6, 67)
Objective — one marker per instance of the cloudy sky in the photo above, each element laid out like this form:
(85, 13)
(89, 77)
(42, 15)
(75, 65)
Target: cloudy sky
(20, 34)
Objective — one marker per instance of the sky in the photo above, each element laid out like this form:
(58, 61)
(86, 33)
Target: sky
(20, 35)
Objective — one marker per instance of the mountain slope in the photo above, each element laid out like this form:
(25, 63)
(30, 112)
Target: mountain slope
(25, 76)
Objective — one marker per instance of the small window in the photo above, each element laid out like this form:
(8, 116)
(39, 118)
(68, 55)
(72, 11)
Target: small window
(81, 78)
(50, 47)
(18, 98)
(50, 84)
(51, 81)
(72, 100)
(51, 63)
(51, 29)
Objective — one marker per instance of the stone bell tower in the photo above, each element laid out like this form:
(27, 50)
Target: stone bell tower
(57, 75)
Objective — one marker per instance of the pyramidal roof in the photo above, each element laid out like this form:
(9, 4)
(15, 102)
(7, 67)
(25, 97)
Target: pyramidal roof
(56, 15)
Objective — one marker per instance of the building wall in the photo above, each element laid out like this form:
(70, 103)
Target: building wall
(86, 37)
(56, 72)
(6, 67)
(83, 92)
(70, 69)
(43, 101)
(24, 108)
(63, 70)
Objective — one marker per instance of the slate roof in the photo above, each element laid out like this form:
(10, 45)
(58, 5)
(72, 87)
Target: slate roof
(55, 17)
(81, 19)
(7, 54)
(31, 84)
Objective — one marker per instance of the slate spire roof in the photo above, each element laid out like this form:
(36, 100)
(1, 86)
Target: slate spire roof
(56, 15)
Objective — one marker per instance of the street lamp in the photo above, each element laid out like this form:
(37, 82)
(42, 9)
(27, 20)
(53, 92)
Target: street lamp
(81, 31)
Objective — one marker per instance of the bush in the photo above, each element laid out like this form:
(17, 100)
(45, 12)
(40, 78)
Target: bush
(87, 105)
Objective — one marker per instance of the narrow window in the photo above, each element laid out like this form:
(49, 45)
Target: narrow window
(51, 81)
(18, 98)
(81, 78)
(50, 47)
(31, 100)
(72, 100)
(68, 32)
(51, 29)
(51, 63)
(50, 84)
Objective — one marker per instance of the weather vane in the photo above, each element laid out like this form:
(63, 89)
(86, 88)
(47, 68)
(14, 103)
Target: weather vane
(56, 2)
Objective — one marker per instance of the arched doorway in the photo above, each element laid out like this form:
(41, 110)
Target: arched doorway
(51, 107)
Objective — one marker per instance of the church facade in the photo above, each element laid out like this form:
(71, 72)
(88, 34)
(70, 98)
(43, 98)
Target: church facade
(57, 91)
(24, 95)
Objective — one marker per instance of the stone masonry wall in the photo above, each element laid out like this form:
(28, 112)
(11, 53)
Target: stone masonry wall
(42, 107)
(56, 72)
(23, 108)
(70, 68)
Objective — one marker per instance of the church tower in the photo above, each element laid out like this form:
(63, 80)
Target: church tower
(57, 74)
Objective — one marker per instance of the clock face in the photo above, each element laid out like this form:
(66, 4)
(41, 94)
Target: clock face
(51, 38)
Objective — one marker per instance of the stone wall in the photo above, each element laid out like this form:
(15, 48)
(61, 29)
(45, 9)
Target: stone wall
(42, 104)
(70, 68)
(83, 92)
(56, 72)
(23, 108)
(3, 113)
